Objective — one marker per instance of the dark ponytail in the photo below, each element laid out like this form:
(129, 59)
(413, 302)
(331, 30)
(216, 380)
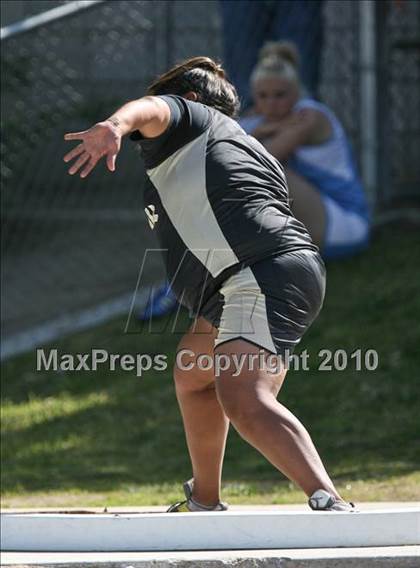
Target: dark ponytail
(204, 77)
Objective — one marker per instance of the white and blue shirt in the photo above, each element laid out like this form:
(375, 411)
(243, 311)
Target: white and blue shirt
(329, 166)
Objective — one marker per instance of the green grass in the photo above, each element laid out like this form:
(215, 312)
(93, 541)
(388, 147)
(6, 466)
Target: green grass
(103, 439)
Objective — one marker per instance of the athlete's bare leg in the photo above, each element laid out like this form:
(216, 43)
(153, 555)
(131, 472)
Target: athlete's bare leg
(249, 400)
(307, 205)
(205, 423)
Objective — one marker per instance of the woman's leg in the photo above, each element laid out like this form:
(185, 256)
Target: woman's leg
(249, 400)
(205, 423)
(307, 206)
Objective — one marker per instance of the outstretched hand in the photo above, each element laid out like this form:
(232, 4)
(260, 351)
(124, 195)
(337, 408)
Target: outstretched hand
(103, 139)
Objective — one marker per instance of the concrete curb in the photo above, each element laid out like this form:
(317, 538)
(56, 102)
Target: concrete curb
(363, 506)
(227, 530)
(387, 557)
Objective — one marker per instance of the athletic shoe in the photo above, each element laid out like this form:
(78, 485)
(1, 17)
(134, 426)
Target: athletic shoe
(190, 505)
(161, 303)
(323, 501)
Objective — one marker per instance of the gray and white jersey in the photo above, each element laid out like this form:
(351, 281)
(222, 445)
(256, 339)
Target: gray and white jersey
(216, 198)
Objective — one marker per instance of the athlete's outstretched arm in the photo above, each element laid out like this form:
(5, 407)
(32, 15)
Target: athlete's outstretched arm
(150, 115)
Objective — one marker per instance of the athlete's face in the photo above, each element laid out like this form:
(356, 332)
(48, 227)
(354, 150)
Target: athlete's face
(275, 97)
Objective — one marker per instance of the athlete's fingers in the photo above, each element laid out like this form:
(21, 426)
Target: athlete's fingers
(79, 163)
(110, 161)
(75, 135)
(89, 168)
(75, 152)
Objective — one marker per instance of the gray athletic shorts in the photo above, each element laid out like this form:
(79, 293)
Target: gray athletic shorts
(270, 303)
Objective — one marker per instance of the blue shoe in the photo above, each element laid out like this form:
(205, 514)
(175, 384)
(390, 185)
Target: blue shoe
(161, 302)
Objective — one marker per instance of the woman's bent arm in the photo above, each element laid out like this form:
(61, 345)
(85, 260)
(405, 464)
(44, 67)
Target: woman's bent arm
(306, 127)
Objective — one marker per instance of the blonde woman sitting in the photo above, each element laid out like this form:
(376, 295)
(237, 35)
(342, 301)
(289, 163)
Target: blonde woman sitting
(307, 138)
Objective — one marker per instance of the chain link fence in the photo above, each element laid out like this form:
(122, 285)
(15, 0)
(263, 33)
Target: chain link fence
(399, 101)
(70, 244)
(340, 77)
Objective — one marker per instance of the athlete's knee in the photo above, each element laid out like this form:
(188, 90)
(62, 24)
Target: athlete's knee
(188, 377)
(180, 378)
(184, 380)
(242, 406)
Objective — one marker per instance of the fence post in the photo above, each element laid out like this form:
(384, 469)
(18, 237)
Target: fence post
(368, 98)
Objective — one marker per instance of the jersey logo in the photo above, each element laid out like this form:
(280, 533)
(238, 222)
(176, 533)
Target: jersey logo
(152, 217)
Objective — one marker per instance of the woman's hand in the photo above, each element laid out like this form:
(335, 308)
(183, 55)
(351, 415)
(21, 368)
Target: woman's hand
(266, 129)
(103, 139)
(301, 128)
(274, 127)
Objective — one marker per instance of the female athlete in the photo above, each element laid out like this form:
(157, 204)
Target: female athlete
(306, 136)
(237, 258)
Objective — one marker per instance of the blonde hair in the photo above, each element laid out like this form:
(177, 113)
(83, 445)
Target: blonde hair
(278, 58)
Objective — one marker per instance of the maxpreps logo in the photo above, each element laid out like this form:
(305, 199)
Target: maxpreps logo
(152, 217)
